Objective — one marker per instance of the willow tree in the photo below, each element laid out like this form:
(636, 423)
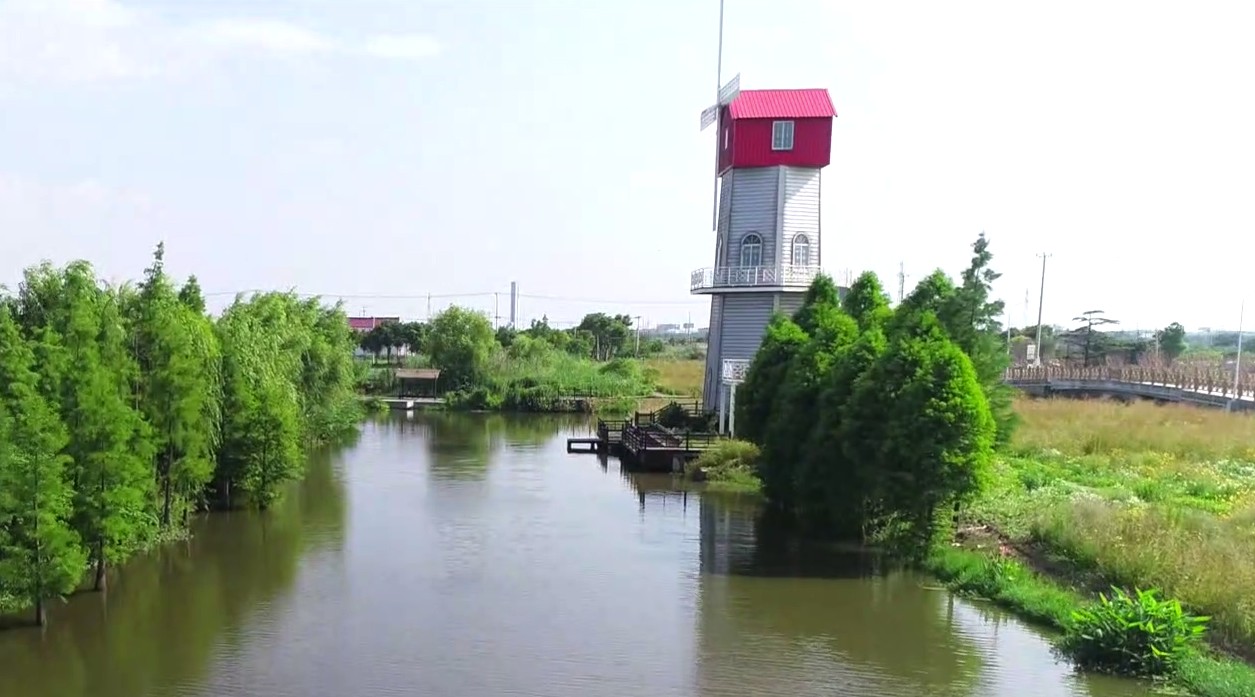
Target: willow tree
(40, 554)
(179, 388)
(262, 426)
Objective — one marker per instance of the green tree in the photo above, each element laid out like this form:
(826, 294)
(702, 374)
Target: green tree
(40, 554)
(89, 373)
(192, 296)
(179, 388)
(787, 475)
(610, 333)
(935, 440)
(460, 342)
(840, 460)
(867, 302)
(973, 321)
(1172, 341)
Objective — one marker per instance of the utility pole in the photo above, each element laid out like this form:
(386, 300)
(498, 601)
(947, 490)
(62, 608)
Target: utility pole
(1041, 296)
(638, 335)
(514, 304)
(901, 281)
(496, 310)
(1237, 362)
(429, 307)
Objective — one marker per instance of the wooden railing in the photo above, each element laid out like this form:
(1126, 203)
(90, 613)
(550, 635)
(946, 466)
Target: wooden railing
(611, 431)
(1211, 382)
(637, 438)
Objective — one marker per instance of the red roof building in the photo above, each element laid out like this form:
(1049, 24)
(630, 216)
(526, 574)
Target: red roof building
(365, 324)
(765, 128)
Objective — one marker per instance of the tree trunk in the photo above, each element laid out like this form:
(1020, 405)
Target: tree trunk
(41, 613)
(100, 581)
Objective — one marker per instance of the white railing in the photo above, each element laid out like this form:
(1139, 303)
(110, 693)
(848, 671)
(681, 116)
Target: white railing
(780, 275)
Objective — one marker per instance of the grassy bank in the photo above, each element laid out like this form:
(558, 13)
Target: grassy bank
(1010, 583)
(1139, 496)
(728, 467)
(541, 379)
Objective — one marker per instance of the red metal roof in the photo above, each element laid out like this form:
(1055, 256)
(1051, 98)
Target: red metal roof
(782, 104)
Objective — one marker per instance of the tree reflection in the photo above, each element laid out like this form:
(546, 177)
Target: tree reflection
(166, 611)
(805, 618)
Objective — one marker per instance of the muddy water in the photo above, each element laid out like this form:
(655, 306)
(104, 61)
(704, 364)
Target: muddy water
(470, 555)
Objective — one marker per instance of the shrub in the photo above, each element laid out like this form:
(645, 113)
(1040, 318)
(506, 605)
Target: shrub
(1138, 635)
(729, 464)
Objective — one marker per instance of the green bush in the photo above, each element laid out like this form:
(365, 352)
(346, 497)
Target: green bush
(729, 464)
(1138, 635)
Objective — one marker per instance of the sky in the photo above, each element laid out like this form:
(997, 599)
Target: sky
(383, 150)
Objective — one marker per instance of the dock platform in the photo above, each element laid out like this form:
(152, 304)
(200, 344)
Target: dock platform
(643, 444)
(411, 403)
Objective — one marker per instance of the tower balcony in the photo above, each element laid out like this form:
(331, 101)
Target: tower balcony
(719, 279)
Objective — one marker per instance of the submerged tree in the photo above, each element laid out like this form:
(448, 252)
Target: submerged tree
(40, 554)
(178, 389)
(88, 372)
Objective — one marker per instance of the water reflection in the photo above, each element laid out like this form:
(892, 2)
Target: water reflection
(168, 612)
(784, 616)
(452, 554)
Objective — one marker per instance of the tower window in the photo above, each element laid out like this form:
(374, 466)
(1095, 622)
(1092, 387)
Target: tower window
(801, 250)
(727, 136)
(752, 250)
(782, 135)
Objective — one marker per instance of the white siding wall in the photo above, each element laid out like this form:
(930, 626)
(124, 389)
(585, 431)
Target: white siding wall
(742, 321)
(714, 341)
(776, 203)
(801, 210)
(748, 203)
(791, 302)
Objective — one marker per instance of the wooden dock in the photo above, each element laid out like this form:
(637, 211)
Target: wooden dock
(411, 403)
(646, 446)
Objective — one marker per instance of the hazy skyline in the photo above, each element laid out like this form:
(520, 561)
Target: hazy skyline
(388, 148)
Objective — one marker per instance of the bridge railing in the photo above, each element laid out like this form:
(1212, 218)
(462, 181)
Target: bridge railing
(1212, 382)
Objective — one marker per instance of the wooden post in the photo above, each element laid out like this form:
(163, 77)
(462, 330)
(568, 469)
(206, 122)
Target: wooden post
(732, 411)
(723, 405)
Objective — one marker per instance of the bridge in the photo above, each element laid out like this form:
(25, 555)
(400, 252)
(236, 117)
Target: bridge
(1212, 388)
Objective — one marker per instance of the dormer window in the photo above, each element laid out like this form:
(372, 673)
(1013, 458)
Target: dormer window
(782, 135)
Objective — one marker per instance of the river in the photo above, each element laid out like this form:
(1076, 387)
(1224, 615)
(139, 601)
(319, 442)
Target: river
(470, 555)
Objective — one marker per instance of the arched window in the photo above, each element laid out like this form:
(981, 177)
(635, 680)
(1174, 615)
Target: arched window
(801, 250)
(752, 250)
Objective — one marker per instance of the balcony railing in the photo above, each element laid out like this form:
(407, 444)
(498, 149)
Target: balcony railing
(777, 276)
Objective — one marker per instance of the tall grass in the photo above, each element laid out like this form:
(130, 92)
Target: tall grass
(1087, 427)
(1144, 495)
(570, 375)
(679, 377)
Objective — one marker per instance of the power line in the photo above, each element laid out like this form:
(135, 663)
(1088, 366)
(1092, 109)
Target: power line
(477, 294)
(601, 301)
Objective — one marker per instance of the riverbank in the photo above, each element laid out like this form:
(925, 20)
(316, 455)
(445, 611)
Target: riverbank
(1097, 493)
(543, 380)
(1091, 494)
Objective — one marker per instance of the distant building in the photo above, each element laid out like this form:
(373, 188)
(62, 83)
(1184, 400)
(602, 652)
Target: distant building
(361, 325)
(365, 324)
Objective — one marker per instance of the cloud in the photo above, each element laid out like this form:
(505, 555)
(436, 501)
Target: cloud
(409, 46)
(103, 40)
(268, 35)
